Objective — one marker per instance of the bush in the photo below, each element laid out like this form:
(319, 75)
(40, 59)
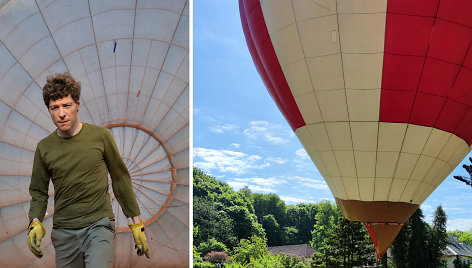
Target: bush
(253, 248)
(211, 245)
(292, 261)
(216, 257)
(203, 265)
(266, 261)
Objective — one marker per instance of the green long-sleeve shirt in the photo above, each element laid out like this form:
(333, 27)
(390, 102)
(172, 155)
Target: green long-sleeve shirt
(78, 167)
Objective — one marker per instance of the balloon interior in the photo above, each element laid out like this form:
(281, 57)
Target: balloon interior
(132, 60)
(377, 91)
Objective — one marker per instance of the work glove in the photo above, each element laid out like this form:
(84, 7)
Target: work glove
(35, 234)
(139, 238)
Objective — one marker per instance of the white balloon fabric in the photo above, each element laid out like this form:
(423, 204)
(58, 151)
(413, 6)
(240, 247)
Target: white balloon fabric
(132, 60)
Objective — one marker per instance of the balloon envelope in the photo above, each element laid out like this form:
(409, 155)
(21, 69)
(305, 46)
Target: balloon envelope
(378, 93)
(131, 58)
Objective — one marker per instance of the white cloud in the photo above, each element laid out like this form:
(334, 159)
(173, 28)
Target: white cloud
(302, 154)
(331, 200)
(268, 181)
(427, 207)
(277, 160)
(452, 209)
(258, 180)
(235, 145)
(312, 183)
(227, 161)
(459, 224)
(257, 188)
(295, 200)
(271, 133)
(302, 160)
(236, 185)
(223, 128)
(257, 184)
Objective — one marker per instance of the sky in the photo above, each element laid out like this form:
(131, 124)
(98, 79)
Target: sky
(241, 138)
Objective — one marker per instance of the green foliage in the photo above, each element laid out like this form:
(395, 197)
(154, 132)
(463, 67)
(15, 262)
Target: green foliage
(291, 236)
(253, 248)
(418, 244)
(439, 239)
(273, 232)
(265, 261)
(291, 261)
(203, 265)
(265, 204)
(347, 245)
(464, 237)
(196, 254)
(417, 253)
(326, 220)
(212, 221)
(221, 213)
(246, 223)
(211, 245)
(206, 186)
(458, 263)
(302, 218)
(400, 248)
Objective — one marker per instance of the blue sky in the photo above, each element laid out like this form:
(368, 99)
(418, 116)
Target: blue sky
(240, 137)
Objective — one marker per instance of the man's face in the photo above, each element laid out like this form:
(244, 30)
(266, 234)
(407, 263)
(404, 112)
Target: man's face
(64, 114)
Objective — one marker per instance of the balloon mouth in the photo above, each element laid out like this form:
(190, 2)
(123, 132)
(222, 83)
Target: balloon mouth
(383, 234)
(140, 170)
(383, 219)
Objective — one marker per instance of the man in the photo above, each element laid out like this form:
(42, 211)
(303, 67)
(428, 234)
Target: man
(77, 158)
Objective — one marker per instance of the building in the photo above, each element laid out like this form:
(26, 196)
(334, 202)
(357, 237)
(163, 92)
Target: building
(456, 250)
(301, 251)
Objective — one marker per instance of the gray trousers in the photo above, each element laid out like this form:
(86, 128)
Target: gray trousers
(90, 247)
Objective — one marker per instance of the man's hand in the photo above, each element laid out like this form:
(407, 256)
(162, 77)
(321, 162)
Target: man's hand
(35, 234)
(139, 238)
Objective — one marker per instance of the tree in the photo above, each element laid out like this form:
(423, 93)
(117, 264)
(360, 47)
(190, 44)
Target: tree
(466, 180)
(417, 252)
(221, 213)
(253, 247)
(458, 263)
(348, 245)
(466, 238)
(272, 229)
(400, 248)
(245, 223)
(291, 236)
(265, 204)
(326, 219)
(439, 238)
(211, 245)
(302, 218)
(463, 237)
(212, 221)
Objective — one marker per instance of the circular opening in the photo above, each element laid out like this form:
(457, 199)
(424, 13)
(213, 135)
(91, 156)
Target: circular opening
(151, 170)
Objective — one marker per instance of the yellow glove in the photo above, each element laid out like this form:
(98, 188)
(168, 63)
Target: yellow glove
(35, 234)
(139, 238)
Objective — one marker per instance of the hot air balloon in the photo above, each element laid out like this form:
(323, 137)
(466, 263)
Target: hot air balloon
(132, 59)
(378, 93)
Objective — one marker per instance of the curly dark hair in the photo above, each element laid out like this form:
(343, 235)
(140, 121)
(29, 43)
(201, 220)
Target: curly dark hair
(59, 86)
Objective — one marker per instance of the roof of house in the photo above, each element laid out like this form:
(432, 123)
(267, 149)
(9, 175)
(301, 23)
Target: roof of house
(455, 248)
(302, 250)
